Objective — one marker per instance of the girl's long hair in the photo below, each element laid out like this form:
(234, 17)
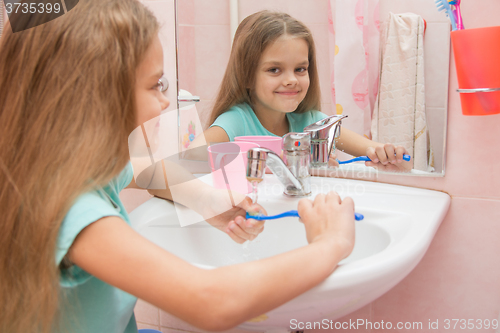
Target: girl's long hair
(254, 34)
(67, 107)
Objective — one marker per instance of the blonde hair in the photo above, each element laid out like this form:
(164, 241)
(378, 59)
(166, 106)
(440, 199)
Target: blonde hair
(67, 107)
(254, 34)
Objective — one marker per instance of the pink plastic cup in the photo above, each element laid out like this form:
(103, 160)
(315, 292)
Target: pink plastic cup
(228, 161)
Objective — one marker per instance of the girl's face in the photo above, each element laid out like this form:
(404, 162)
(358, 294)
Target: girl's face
(282, 77)
(150, 100)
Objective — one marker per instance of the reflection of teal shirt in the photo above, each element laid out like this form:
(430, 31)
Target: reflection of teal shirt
(87, 303)
(241, 120)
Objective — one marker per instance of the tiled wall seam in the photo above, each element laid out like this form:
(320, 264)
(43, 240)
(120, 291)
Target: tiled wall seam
(476, 198)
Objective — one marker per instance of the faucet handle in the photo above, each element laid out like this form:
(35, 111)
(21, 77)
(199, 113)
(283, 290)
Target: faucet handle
(296, 141)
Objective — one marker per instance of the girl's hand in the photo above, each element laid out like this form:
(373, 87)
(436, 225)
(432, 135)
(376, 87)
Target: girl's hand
(388, 158)
(332, 161)
(329, 218)
(218, 209)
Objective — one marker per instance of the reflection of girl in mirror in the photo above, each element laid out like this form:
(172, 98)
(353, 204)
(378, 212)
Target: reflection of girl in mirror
(271, 87)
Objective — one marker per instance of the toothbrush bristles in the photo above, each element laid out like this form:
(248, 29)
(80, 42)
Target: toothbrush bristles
(440, 5)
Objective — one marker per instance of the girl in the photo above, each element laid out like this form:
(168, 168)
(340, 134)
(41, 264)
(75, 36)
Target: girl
(71, 92)
(271, 87)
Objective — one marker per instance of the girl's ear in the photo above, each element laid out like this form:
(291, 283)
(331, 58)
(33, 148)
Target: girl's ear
(249, 84)
(249, 94)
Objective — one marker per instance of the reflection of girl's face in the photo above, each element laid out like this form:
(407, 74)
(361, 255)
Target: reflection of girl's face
(282, 76)
(150, 100)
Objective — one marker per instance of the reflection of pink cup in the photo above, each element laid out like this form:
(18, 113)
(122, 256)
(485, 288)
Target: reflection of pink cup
(264, 141)
(228, 161)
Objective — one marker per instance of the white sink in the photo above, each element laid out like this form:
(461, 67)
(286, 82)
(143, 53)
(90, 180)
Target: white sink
(398, 227)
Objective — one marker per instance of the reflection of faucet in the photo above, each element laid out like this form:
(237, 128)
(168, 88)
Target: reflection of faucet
(292, 171)
(300, 151)
(321, 134)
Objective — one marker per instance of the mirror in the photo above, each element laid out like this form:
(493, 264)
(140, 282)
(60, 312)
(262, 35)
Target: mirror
(347, 37)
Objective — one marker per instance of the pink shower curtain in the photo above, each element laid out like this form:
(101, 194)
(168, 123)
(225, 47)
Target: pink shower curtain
(354, 53)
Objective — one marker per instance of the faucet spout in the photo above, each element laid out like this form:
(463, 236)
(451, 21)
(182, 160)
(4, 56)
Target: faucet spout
(259, 158)
(292, 171)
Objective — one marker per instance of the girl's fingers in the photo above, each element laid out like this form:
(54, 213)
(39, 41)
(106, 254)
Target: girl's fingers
(400, 151)
(304, 204)
(381, 155)
(250, 226)
(304, 207)
(241, 232)
(255, 231)
(348, 202)
(333, 196)
(235, 232)
(245, 203)
(234, 237)
(320, 198)
(248, 206)
(389, 151)
(332, 162)
(370, 152)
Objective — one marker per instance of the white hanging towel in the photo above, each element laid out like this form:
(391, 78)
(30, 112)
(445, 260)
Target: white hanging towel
(399, 112)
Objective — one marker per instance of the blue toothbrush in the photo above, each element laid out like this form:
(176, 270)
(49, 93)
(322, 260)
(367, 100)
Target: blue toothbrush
(290, 213)
(366, 158)
(444, 5)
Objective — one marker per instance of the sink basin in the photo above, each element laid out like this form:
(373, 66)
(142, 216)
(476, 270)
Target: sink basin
(398, 227)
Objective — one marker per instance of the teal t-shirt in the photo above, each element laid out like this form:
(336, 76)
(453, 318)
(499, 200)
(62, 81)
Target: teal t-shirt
(241, 120)
(89, 304)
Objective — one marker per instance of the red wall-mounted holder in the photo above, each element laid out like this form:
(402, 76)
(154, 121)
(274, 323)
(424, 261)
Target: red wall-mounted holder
(477, 60)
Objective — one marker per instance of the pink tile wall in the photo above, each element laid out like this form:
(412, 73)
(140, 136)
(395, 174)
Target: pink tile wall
(187, 58)
(204, 45)
(186, 12)
(458, 277)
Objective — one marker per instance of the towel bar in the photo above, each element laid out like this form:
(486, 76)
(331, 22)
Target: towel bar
(469, 91)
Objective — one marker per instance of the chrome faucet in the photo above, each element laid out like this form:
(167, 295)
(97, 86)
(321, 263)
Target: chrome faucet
(300, 152)
(292, 170)
(323, 139)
